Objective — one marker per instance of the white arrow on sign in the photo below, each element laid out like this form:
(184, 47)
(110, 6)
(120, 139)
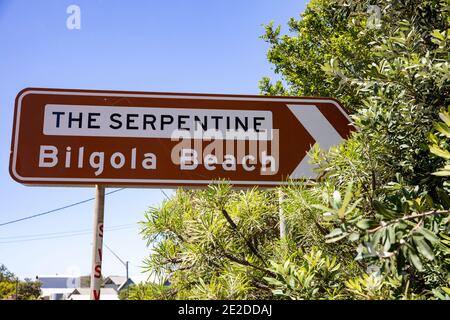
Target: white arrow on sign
(322, 132)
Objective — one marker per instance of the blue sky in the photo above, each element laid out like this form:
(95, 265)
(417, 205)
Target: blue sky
(176, 46)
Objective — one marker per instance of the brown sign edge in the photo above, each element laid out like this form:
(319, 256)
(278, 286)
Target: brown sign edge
(269, 184)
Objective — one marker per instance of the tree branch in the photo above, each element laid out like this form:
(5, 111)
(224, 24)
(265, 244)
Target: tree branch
(260, 285)
(246, 263)
(414, 216)
(249, 243)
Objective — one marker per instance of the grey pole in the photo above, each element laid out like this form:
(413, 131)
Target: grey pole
(97, 243)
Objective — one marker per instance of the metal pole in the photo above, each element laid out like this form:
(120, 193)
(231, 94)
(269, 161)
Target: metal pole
(97, 243)
(281, 214)
(126, 266)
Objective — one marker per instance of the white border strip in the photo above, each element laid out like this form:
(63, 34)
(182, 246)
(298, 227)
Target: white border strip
(143, 95)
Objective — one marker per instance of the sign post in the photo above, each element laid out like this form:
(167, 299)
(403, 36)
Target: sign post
(97, 243)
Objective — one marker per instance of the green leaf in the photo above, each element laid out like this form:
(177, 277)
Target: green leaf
(278, 292)
(273, 281)
(347, 198)
(423, 247)
(321, 207)
(335, 239)
(438, 294)
(353, 236)
(391, 233)
(432, 138)
(442, 173)
(334, 233)
(353, 206)
(429, 235)
(445, 199)
(336, 203)
(445, 117)
(414, 258)
(443, 128)
(327, 68)
(329, 216)
(365, 224)
(435, 149)
(436, 34)
(385, 212)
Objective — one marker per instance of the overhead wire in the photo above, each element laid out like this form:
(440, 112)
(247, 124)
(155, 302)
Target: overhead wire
(60, 233)
(57, 209)
(66, 235)
(64, 207)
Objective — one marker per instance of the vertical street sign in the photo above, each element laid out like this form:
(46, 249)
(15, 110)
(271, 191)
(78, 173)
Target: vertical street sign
(97, 243)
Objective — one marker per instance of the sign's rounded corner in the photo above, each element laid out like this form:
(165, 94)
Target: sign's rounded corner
(22, 93)
(337, 101)
(14, 175)
(25, 90)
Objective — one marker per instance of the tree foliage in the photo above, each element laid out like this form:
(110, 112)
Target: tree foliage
(375, 225)
(12, 288)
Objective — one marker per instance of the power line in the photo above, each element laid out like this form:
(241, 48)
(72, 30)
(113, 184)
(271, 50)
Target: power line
(65, 207)
(61, 232)
(165, 194)
(115, 254)
(57, 209)
(72, 234)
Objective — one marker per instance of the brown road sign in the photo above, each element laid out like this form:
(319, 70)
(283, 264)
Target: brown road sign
(115, 138)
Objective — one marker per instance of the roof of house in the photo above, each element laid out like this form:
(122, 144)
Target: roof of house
(51, 291)
(117, 280)
(58, 281)
(147, 277)
(88, 297)
(87, 291)
(56, 276)
(85, 294)
(127, 283)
